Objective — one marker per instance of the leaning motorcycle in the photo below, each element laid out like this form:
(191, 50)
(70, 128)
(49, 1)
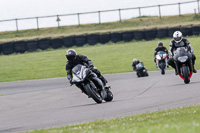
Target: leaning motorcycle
(141, 70)
(183, 61)
(91, 84)
(161, 61)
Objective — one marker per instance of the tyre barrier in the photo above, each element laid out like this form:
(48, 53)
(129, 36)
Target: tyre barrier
(44, 44)
(172, 30)
(69, 41)
(32, 45)
(128, 36)
(7, 48)
(162, 33)
(139, 35)
(56, 43)
(150, 34)
(104, 38)
(93, 39)
(20, 46)
(0, 49)
(116, 37)
(196, 30)
(80, 40)
(187, 31)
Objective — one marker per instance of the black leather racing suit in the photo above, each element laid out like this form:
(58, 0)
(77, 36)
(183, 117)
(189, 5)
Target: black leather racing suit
(81, 59)
(134, 65)
(174, 45)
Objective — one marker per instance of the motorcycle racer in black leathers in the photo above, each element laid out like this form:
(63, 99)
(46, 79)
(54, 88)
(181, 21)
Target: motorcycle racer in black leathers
(135, 62)
(74, 59)
(177, 42)
(160, 48)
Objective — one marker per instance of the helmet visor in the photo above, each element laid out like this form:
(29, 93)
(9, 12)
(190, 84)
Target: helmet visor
(70, 58)
(178, 38)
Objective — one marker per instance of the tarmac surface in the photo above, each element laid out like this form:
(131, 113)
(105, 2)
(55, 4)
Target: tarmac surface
(47, 103)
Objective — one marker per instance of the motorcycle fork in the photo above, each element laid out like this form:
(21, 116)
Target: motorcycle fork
(97, 82)
(177, 68)
(191, 65)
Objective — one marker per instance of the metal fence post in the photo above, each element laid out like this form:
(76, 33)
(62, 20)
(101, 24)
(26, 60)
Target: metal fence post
(179, 7)
(139, 11)
(37, 23)
(78, 19)
(16, 25)
(58, 20)
(120, 19)
(159, 11)
(198, 6)
(99, 13)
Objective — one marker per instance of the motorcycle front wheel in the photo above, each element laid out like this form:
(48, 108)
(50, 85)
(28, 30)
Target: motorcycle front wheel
(186, 74)
(92, 93)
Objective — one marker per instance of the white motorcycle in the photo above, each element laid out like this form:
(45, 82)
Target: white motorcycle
(161, 61)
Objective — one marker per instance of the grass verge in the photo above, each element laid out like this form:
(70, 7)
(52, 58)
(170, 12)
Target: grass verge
(110, 58)
(182, 120)
(130, 24)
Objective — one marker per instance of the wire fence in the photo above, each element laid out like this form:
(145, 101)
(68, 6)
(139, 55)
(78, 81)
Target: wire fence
(99, 16)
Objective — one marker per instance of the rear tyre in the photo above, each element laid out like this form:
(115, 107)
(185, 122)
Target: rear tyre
(109, 96)
(186, 74)
(145, 73)
(138, 74)
(92, 93)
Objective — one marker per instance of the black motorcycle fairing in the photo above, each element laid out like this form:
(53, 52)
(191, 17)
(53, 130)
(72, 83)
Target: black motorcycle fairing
(181, 52)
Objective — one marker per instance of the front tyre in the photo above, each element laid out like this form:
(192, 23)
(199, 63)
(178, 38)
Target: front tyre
(163, 71)
(109, 96)
(186, 74)
(162, 67)
(92, 93)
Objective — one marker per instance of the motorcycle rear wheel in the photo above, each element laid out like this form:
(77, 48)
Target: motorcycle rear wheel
(109, 96)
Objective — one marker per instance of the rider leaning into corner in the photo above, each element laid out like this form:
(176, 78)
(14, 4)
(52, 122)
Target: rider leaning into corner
(177, 42)
(74, 59)
(135, 62)
(160, 48)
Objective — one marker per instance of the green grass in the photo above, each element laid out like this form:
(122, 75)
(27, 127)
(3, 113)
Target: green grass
(131, 24)
(183, 120)
(111, 58)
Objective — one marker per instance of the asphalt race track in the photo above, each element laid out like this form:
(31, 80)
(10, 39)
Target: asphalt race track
(46, 103)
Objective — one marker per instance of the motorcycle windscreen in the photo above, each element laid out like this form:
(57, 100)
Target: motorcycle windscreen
(77, 69)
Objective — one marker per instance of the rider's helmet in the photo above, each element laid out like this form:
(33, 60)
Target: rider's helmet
(177, 36)
(160, 44)
(135, 61)
(70, 54)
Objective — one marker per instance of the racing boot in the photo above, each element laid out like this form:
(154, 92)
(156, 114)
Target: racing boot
(176, 73)
(103, 80)
(194, 70)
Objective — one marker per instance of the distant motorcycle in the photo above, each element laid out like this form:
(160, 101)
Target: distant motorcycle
(141, 71)
(92, 85)
(161, 61)
(183, 61)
